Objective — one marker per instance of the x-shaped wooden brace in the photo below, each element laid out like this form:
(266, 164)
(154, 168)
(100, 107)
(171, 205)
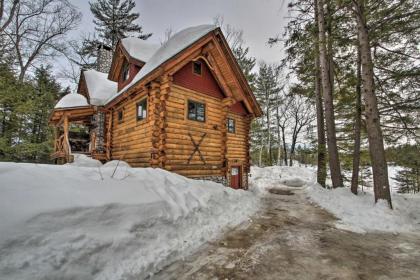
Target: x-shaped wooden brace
(196, 147)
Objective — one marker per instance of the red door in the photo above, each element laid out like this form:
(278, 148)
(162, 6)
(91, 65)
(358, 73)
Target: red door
(235, 177)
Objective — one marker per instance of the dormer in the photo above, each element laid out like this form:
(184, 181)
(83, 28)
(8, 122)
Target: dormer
(131, 54)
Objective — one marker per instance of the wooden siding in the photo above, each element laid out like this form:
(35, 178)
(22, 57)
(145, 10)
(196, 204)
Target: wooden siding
(204, 83)
(238, 108)
(131, 139)
(133, 70)
(179, 146)
(236, 142)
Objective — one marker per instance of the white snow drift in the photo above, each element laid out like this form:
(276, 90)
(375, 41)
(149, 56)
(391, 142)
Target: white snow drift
(361, 214)
(106, 222)
(356, 213)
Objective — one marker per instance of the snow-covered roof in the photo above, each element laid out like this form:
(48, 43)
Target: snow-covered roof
(99, 87)
(173, 46)
(72, 100)
(139, 49)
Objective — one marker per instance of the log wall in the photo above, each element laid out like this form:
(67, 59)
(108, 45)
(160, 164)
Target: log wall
(131, 140)
(164, 138)
(179, 146)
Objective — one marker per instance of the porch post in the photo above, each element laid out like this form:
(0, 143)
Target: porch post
(66, 137)
(55, 129)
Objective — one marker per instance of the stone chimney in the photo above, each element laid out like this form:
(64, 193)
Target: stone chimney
(103, 63)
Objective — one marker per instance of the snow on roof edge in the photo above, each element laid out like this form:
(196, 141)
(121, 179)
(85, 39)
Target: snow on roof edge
(100, 88)
(71, 100)
(138, 48)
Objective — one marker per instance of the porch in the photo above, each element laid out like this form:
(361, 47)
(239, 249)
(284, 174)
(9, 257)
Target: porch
(79, 130)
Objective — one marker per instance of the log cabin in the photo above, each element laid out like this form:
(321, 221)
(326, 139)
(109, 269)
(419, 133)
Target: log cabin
(184, 106)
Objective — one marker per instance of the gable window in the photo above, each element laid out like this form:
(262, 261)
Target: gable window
(197, 67)
(120, 116)
(231, 125)
(125, 74)
(196, 111)
(142, 110)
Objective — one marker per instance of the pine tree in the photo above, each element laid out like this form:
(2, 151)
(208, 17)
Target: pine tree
(114, 19)
(246, 62)
(327, 89)
(234, 37)
(266, 89)
(321, 173)
(25, 108)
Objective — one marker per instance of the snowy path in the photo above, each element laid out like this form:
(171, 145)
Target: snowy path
(292, 239)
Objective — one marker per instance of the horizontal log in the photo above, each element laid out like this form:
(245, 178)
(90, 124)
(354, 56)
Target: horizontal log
(191, 167)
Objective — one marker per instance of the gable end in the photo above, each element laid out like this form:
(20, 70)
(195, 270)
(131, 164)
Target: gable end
(204, 83)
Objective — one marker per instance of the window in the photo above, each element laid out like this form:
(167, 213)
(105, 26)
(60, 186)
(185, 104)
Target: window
(125, 74)
(231, 125)
(197, 67)
(196, 111)
(120, 116)
(142, 110)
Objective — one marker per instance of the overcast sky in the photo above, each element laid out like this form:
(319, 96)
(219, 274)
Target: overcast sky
(259, 19)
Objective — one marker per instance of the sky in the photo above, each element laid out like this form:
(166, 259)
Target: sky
(259, 20)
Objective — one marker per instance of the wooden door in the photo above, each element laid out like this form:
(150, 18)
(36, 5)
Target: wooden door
(235, 177)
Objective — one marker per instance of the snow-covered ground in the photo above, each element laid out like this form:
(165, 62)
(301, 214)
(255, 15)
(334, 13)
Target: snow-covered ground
(92, 221)
(87, 221)
(356, 213)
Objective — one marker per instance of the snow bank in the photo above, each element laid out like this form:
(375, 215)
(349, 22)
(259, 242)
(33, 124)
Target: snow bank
(106, 222)
(356, 213)
(361, 214)
(72, 100)
(82, 160)
(266, 178)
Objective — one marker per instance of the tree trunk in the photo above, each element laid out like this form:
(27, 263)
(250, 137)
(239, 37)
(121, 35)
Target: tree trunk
(269, 152)
(278, 133)
(284, 145)
(321, 161)
(334, 160)
(357, 127)
(376, 145)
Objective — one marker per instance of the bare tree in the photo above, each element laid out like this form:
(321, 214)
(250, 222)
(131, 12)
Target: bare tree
(233, 35)
(38, 30)
(169, 32)
(282, 122)
(81, 54)
(301, 115)
(6, 18)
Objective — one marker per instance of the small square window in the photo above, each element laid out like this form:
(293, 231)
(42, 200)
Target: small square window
(197, 67)
(196, 111)
(120, 116)
(142, 110)
(231, 125)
